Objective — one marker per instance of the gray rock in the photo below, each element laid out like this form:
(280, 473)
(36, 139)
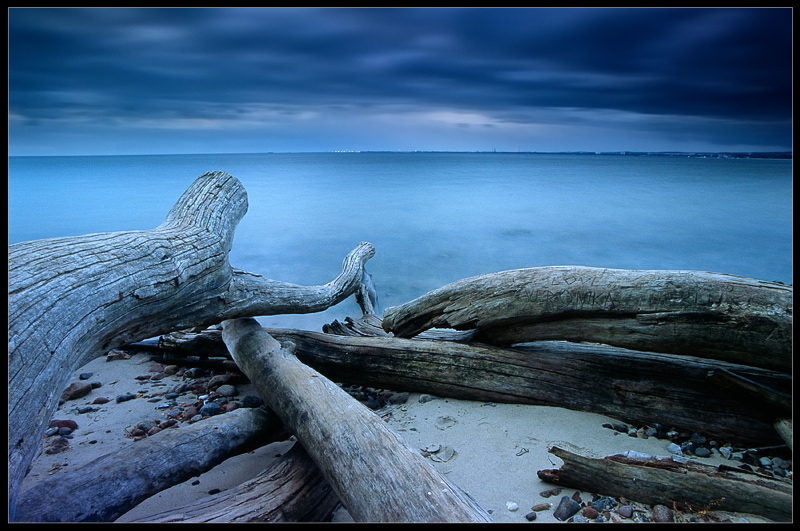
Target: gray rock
(702, 452)
(566, 508)
(674, 449)
(765, 461)
(252, 401)
(726, 451)
(210, 410)
(625, 511)
(662, 514)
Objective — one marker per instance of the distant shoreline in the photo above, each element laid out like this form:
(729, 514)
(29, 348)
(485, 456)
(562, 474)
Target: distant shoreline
(776, 155)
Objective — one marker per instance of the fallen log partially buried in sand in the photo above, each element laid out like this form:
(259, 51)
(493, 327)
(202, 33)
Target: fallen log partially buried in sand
(638, 387)
(664, 481)
(377, 475)
(292, 489)
(712, 315)
(113, 484)
(72, 299)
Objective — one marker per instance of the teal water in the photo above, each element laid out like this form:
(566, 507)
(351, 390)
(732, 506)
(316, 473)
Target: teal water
(436, 217)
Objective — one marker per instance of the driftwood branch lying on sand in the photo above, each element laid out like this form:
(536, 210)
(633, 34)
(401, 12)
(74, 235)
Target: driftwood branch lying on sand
(72, 299)
(113, 484)
(639, 387)
(292, 489)
(664, 481)
(377, 475)
(710, 315)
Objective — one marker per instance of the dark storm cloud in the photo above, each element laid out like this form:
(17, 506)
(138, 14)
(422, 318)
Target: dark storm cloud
(168, 67)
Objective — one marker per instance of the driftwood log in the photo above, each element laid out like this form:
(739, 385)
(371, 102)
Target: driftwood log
(113, 484)
(377, 475)
(637, 387)
(693, 313)
(663, 481)
(72, 299)
(292, 489)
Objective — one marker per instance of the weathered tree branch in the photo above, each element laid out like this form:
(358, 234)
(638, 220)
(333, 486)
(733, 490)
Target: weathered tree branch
(113, 484)
(639, 387)
(662, 481)
(374, 471)
(692, 313)
(73, 299)
(292, 489)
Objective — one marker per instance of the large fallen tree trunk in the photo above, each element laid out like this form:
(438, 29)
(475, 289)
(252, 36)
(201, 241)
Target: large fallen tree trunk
(72, 299)
(711, 315)
(378, 476)
(663, 481)
(292, 489)
(638, 387)
(113, 484)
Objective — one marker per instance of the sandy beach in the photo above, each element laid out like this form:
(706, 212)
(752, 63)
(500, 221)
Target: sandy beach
(492, 451)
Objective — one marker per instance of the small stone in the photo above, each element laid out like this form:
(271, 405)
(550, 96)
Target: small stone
(622, 428)
(69, 423)
(210, 410)
(76, 390)
(252, 401)
(100, 400)
(426, 398)
(85, 375)
(156, 367)
(530, 516)
(551, 492)
(578, 519)
(115, 355)
(566, 508)
(780, 463)
(702, 452)
(625, 511)
(697, 439)
(590, 512)
(726, 452)
(765, 461)
(194, 372)
(577, 497)
(125, 397)
(674, 449)
(170, 369)
(651, 431)
(604, 504)
(64, 431)
(196, 418)
(541, 507)
(153, 430)
(662, 514)
(219, 379)
(214, 491)
(512, 506)
(398, 398)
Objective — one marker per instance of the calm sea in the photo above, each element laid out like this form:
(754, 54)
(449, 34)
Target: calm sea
(436, 217)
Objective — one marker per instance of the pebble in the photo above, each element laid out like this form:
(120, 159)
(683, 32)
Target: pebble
(662, 514)
(541, 507)
(674, 449)
(252, 401)
(69, 423)
(626, 511)
(125, 397)
(702, 452)
(604, 504)
(590, 512)
(100, 400)
(512, 506)
(551, 492)
(209, 410)
(85, 375)
(76, 390)
(765, 461)
(193, 373)
(530, 516)
(566, 508)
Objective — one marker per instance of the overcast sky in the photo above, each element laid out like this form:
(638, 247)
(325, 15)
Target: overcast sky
(130, 81)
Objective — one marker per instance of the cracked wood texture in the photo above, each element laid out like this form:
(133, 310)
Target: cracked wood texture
(73, 299)
(694, 313)
(659, 481)
(377, 475)
(113, 484)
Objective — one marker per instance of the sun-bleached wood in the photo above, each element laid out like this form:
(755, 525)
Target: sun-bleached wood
(114, 483)
(377, 475)
(292, 489)
(712, 315)
(72, 299)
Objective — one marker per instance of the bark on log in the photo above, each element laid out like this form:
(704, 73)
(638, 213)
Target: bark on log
(784, 429)
(292, 489)
(692, 313)
(638, 387)
(376, 474)
(73, 299)
(663, 481)
(113, 484)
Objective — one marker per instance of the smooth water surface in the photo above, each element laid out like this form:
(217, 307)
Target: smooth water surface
(436, 217)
